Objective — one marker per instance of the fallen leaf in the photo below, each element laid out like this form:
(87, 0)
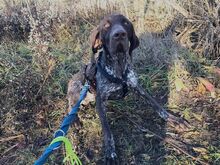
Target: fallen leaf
(191, 134)
(207, 84)
(200, 150)
(198, 117)
(206, 157)
(179, 84)
(201, 88)
(186, 114)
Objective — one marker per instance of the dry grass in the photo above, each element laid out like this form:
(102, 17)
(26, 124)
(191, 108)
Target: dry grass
(199, 28)
(43, 43)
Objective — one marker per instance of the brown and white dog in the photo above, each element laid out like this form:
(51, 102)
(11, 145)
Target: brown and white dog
(110, 73)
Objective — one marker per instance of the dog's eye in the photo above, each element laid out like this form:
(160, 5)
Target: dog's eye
(107, 25)
(126, 23)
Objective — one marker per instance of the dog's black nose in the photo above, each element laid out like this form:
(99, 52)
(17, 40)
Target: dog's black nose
(120, 34)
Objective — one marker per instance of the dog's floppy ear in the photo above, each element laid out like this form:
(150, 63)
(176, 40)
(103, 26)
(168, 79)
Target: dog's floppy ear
(95, 40)
(134, 42)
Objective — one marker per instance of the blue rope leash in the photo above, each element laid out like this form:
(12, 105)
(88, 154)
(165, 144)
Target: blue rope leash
(64, 127)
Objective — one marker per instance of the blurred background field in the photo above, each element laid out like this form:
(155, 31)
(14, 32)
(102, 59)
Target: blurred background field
(43, 43)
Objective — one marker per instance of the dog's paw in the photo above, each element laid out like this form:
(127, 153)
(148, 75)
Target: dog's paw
(163, 114)
(110, 155)
(111, 158)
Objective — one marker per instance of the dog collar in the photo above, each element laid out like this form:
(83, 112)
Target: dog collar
(111, 77)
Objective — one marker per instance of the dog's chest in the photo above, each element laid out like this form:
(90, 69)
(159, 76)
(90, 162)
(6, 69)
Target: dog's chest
(108, 89)
(112, 90)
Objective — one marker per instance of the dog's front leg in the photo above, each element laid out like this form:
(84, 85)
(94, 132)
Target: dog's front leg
(174, 121)
(156, 106)
(108, 137)
(132, 82)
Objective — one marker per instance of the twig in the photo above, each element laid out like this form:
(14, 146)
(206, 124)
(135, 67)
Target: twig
(11, 138)
(88, 22)
(177, 7)
(11, 148)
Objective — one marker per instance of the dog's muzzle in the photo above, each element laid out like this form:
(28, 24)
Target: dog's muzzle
(119, 39)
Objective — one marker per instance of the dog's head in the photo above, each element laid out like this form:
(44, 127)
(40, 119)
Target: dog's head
(115, 34)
